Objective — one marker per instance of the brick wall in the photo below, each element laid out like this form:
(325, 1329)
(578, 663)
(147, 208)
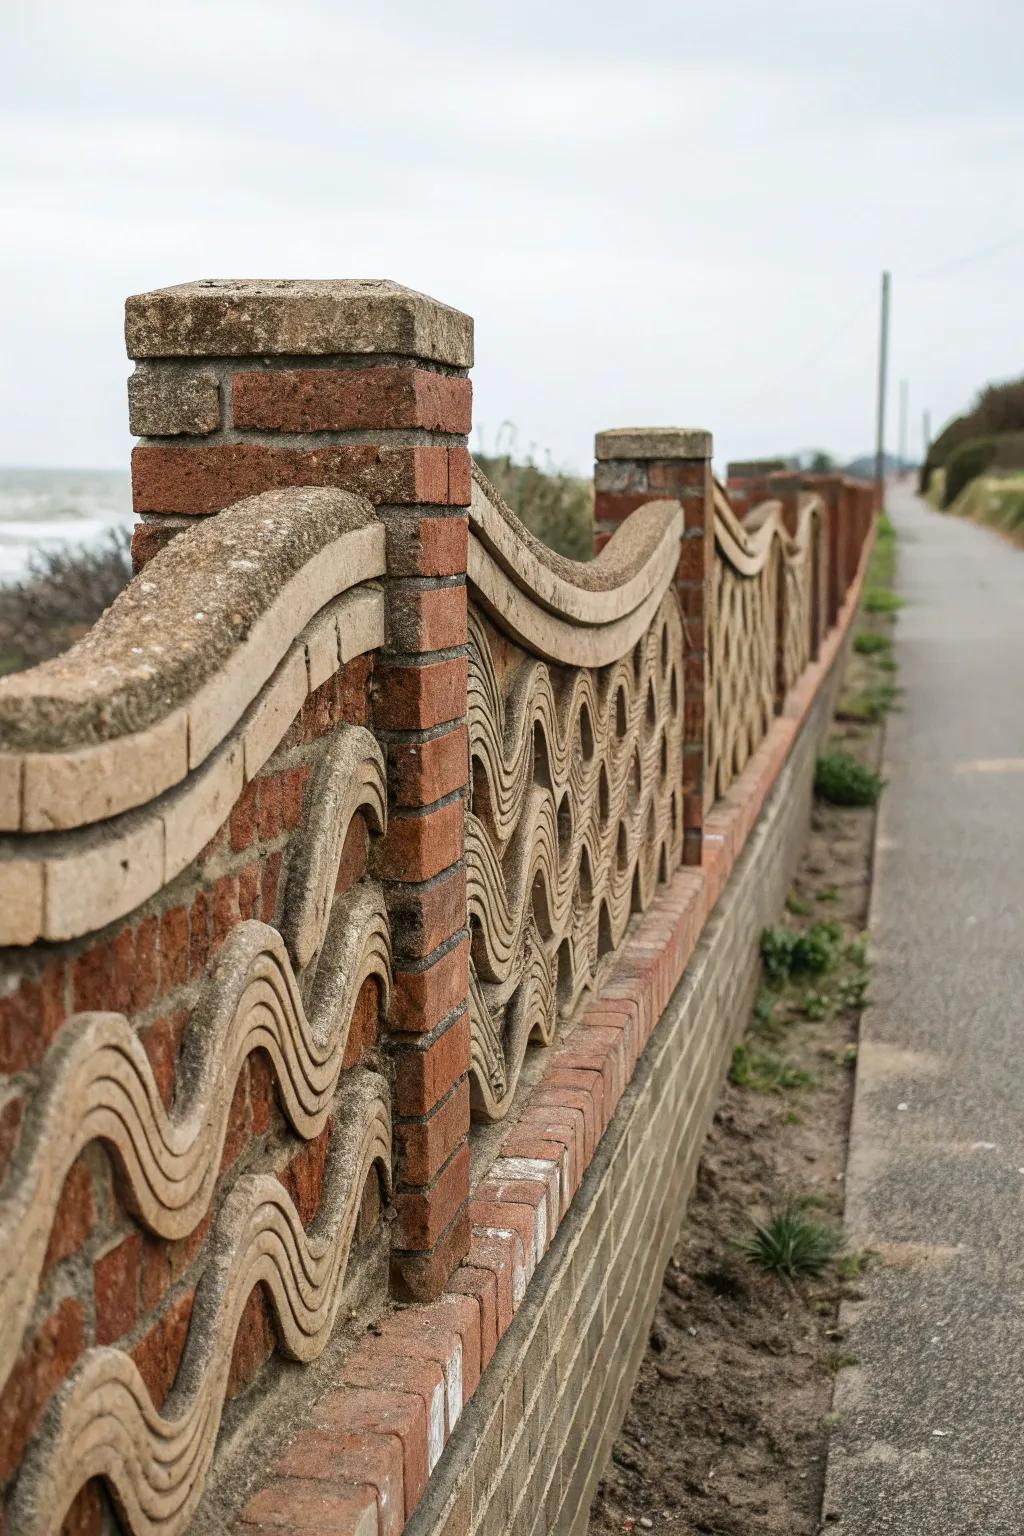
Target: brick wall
(107, 1280)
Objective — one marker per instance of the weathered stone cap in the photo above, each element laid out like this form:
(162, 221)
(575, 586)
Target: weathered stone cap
(744, 468)
(253, 317)
(653, 443)
(175, 623)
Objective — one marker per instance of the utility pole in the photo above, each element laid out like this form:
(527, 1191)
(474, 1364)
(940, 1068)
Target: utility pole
(903, 426)
(883, 368)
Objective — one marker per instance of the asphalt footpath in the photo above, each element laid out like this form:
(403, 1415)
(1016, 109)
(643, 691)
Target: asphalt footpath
(928, 1436)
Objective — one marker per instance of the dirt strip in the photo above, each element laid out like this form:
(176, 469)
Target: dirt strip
(727, 1429)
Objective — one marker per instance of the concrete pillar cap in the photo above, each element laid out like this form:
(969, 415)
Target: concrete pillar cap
(266, 317)
(653, 443)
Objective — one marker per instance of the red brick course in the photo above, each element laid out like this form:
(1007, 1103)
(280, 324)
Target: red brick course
(346, 399)
(425, 771)
(197, 480)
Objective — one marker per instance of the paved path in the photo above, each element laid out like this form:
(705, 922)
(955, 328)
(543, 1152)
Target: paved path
(931, 1435)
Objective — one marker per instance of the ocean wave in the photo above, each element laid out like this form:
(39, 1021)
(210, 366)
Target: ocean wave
(47, 509)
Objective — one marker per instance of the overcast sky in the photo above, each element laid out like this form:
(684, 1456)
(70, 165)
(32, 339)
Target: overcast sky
(657, 213)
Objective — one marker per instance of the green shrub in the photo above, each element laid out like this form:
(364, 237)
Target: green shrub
(792, 1244)
(999, 408)
(557, 507)
(841, 780)
(965, 464)
(60, 599)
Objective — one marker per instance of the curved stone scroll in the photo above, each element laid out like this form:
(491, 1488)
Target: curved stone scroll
(164, 675)
(61, 885)
(103, 1423)
(804, 591)
(752, 558)
(96, 1082)
(575, 613)
(575, 814)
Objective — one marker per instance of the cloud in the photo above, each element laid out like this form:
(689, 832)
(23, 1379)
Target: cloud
(654, 213)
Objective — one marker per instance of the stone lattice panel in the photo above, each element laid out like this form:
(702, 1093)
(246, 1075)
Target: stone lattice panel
(575, 815)
(741, 684)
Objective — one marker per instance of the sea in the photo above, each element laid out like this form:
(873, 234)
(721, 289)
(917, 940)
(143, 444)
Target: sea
(44, 509)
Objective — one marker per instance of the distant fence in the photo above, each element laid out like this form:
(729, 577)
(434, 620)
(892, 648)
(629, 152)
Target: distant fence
(355, 802)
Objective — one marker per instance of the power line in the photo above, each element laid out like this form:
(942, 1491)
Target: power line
(968, 259)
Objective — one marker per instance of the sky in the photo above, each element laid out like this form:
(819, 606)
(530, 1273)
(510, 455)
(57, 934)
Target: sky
(662, 213)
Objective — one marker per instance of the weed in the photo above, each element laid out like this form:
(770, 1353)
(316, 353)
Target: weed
(853, 990)
(870, 705)
(840, 779)
(849, 1056)
(839, 1360)
(849, 1266)
(815, 1006)
(871, 644)
(787, 953)
(829, 894)
(792, 1117)
(767, 1025)
(764, 1072)
(797, 905)
(882, 600)
(792, 1244)
(830, 1422)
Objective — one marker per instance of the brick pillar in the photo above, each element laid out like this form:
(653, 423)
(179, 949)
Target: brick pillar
(832, 490)
(785, 486)
(637, 465)
(243, 387)
(856, 497)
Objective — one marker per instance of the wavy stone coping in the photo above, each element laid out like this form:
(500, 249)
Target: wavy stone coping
(167, 671)
(746, 545)
(569, 611)
(63, 885)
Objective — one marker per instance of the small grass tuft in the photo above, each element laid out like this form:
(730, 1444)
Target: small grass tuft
(839, 1360)
(882, 600)
(850, 1266)
(792, 1244)
(764, 1072)
(840, 779)
(816, 1006)
(871, 644)
(797, 905)
(869, 704)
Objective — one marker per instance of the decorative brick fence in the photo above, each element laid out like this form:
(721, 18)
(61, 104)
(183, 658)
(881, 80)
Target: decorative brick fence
(379, 892)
